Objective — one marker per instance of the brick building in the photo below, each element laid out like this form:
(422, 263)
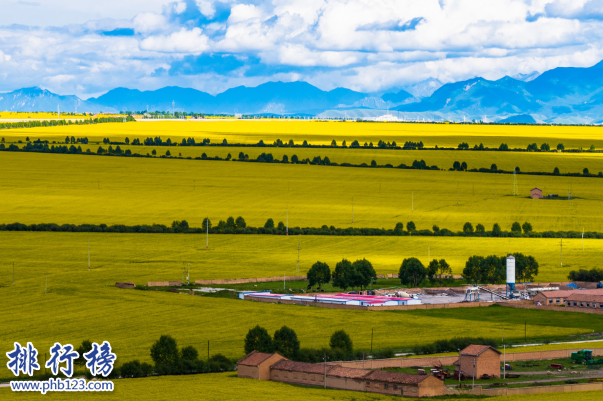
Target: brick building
(550, 298)
(536, 193)
(478, 360)
(256, 365)
(585, 300)
(274, 367)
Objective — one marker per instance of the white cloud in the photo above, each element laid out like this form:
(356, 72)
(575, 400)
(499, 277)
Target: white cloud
(361, 44)
(149, 22)
(183, 41)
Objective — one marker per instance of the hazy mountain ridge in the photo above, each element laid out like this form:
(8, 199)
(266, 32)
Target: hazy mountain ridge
(562, 95)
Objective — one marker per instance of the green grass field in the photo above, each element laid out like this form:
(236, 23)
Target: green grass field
(228, 387)
(322, 133)
(38, 188)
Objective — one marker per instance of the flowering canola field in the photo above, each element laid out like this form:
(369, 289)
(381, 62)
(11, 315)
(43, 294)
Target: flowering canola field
(56, 188)
(322, 133)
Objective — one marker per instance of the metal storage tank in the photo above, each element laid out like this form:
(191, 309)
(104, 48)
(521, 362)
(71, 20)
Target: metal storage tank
(510, 273)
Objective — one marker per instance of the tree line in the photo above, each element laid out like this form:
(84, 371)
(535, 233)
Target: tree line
(286, 343)
(346, 274)
(238, 226)
(55, 123)
(478, 269)
(44, 147)
(594, 275)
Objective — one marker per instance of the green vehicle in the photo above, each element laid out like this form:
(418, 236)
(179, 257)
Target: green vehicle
(585, 357)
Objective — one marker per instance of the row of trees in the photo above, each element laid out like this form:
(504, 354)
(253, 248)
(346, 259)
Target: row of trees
(413, 273)
(55, 123)
(478, 269)
(593, 275)
(286, 343)
(492, 269)
(496, 230)
(346, 275)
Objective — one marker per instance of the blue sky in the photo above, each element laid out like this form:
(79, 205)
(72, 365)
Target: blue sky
(88, 47)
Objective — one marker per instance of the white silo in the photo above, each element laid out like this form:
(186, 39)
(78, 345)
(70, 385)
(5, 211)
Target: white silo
(510, 274)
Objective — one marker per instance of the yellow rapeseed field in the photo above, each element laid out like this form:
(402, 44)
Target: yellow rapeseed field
(443, 159)
(322, 133)
(55, 188)
(152, 257)
(228, 387)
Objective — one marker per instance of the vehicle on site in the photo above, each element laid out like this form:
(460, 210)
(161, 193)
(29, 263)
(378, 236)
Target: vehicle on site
(456, 376)
(556, 366)
(507, 367)
(585, 357)
(421, 372)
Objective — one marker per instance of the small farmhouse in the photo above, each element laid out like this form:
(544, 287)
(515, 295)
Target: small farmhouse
(536, 193)
(478, 360)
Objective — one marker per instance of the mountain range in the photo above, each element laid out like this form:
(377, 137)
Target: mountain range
(561, 95)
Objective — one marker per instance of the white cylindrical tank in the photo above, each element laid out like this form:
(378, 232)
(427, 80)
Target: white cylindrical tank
(510, 269)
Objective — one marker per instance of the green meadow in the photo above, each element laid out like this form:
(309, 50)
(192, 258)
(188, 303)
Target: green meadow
(227, 387)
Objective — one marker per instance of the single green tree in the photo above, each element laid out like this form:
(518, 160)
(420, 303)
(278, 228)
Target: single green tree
(516, 227)
(494, 167)
(341, 340)
(206, 224)
(412, 272)
(373, 163)
(230, 223)
(165, 351)
(240, 223)
(364, 272)
(496, 231)
(480, 228)
(168, 153)
(286, 342)
(66, 139)
(281, 226)
(399, 228)
(84, 348)
(269, 223)
(560, 147)
(285, 159)
(154, 152)
(468, 228)
(333, 143)
(294, 159)
(319, 273)
(473, 271)
(258, 339)
(464, 166)
(189, 353)
(527, 227)
(410, 227)
(439, 271)
(556, 171)
(585, 171)
(343, 276)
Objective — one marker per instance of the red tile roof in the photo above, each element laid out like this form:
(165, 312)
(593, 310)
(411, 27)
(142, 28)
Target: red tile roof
(565, 294)
(584, 297)
(476, 350)
(254, 358)
(394, 377)
(302, 367)
(349, 373)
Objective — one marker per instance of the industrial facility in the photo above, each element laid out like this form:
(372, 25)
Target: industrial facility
(337, 299)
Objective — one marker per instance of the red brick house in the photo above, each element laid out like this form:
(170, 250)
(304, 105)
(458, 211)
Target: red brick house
(256, 365)
(536, 193)
(585, 299)
(478, 360)
(274, 367)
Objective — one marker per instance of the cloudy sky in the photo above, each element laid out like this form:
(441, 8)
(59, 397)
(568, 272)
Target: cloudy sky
(87, 47)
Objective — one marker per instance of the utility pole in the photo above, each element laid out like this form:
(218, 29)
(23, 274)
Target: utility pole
(207, 233)
(352, 210)
(325, 368)
(13, 274)
(412, 202)
(473, 385)
(372, 333)
(582, 238)
(287, 226)
(298, 245)
(561, 252)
